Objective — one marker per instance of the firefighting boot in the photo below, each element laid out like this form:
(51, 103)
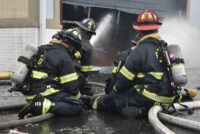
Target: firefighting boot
(39, 106)
(186, 95)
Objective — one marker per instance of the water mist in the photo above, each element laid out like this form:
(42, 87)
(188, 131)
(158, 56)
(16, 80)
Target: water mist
(102, 31)
(179, 31)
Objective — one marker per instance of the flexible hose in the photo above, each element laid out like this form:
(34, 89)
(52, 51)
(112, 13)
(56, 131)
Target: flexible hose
(12, 106)
(5, 82)
(96, 84)
(10, 124)
(190, 124)
(160, 128)
(155, 122)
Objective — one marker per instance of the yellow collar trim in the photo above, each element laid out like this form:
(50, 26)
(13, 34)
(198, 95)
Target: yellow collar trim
(154, 35)
(54, 40)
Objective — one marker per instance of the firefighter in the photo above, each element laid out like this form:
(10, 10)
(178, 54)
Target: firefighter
(87, 28)
(52, 84)
(82, 58)
(143, 80)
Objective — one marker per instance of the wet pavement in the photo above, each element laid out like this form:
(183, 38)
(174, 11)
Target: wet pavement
(92, 122)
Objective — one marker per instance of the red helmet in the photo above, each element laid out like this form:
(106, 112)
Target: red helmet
(147, 20)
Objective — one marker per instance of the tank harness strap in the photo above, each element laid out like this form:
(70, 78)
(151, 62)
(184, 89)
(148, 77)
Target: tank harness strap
(178, 60)
(26, 61)
(189, 110)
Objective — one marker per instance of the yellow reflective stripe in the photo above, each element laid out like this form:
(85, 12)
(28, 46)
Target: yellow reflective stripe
(56, 79)
(94, 105)
(78, 96)
(140, 75)
(156, 97)
(39, 75)
(68, 78)
(54, 40)
(127, 73)
(114, 70)
(86, 68)
(46, 106)
(114, 88)
(77, 54)
(45, 93)
(180, 98)
(157, 75)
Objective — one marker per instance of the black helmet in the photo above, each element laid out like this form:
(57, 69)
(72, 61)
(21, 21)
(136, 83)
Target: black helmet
(88, 24)
(71, 36)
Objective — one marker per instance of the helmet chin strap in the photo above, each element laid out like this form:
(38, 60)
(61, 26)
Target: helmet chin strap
(68, 46)
(140, 34)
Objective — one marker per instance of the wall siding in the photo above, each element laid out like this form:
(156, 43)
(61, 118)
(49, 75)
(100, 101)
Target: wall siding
(12, 42)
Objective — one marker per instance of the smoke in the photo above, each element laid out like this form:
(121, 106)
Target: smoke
(179, 31)
(103, 30)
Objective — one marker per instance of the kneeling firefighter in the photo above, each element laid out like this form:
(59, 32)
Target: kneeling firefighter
(145, 78)
(52, 82)
(82, 58)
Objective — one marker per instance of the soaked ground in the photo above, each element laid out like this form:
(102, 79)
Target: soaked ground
(92, 122)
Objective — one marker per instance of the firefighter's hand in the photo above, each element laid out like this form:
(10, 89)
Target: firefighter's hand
(107, 88)
(25, 110)
(86, 101)
(87, 90)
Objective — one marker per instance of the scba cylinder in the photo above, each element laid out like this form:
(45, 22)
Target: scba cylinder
(21, 69)
(177, 65)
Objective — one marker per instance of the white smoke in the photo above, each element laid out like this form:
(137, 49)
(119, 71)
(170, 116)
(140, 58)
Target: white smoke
(179, 31)
(102, 30)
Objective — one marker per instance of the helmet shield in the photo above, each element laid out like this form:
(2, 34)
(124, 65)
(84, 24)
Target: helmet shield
(147, 20)
(88, 25)
(72, 37)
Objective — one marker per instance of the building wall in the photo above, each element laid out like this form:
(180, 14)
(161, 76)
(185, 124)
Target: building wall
(19, 26)
(12, 42)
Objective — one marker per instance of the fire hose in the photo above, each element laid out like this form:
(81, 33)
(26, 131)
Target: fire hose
(162, 129)
(10, 124)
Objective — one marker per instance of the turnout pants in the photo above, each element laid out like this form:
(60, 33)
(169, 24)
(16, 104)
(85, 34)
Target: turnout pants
(116, 102)
(60, 104)
(64, 105)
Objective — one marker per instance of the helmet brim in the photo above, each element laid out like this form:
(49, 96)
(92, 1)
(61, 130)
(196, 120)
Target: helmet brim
(147, 27)
(76, 43)
(85, 28)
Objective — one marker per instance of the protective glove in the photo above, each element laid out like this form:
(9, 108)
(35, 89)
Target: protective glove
(107, 88)
(29, 108)
(87, 90)
(35, 107)
(85, 99)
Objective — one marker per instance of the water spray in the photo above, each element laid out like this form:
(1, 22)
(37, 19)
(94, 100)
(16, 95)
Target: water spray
(103, 30)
